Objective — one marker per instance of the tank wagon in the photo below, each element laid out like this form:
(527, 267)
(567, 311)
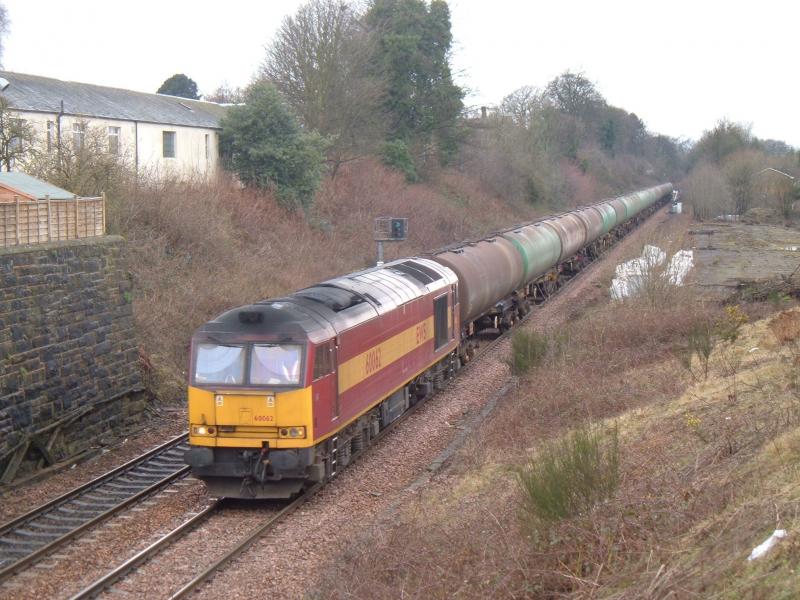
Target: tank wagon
(283, 392)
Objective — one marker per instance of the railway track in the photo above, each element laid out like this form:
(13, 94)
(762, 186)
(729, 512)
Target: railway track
(31, 536)
(107, 581)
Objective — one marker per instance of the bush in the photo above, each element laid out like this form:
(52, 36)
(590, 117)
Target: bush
(265, 146)
(528, 349)
(702, 339)
(395, 154)
(572, 474)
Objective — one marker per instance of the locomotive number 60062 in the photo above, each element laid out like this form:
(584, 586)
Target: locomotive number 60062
(373, 361)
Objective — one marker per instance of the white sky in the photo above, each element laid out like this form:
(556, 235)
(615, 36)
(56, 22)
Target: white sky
(679, 65)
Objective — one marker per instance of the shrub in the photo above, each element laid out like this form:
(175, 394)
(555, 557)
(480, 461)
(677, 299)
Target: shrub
(702, 339)
(572, 474)
(528, 349)
(266, 147)
(395, 154)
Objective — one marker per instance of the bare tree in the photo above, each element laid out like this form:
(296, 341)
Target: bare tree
(776, 184)
(707, 192)
(225, 94)
(319, 62)
(17, 138)
(86, 166)
(740, 170)
(575, 95)
(521, 104)
(725, 139)
(4, 23)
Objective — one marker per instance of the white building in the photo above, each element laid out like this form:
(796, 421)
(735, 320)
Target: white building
(160, 134)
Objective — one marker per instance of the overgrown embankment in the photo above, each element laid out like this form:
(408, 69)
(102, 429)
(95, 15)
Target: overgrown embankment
(197, 249)
(649, 477)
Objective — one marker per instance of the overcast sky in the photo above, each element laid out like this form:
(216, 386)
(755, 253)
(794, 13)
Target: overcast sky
(679, 65)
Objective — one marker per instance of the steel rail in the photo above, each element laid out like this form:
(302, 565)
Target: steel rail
(82, 488)
(44, 511)
(132, 563)
(248, 541)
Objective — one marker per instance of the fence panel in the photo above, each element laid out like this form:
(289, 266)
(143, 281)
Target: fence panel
(28, 222)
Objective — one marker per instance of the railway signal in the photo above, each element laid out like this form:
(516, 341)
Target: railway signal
(389, 229)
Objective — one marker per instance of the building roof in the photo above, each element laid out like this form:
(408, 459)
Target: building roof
(33, 188)
(43, 94)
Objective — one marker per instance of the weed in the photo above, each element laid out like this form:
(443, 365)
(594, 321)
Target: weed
(778, 299)
(571, 475)
(528, 349)
(702, 339)
(786, 327)
(728, 327)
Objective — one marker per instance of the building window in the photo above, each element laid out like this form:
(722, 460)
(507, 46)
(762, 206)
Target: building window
(208, 147)
(51, 135)
(168, 144)
(113, 140)
(78, 133)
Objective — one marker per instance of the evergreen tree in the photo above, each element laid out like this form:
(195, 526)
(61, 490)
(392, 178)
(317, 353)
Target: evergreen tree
(412, 56)
(264, 145)
(179, 85)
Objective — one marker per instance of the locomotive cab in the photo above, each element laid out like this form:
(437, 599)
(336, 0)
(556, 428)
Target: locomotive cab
(250, 400)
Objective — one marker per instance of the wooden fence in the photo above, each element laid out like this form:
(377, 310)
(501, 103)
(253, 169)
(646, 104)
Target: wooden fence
(26, 222)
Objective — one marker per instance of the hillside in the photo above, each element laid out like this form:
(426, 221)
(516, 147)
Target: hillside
(701, 470)
(198, 249)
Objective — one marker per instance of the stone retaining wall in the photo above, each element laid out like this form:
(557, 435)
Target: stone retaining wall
(68, 353)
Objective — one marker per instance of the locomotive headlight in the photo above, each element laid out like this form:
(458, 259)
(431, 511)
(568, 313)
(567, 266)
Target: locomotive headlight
(203, 430)
(292, 432)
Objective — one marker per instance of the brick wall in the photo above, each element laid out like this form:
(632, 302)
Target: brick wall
(68, 354)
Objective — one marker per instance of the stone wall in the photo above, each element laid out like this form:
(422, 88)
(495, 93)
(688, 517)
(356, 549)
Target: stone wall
(68, 353)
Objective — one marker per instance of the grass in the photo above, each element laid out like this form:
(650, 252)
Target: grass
(570, 475)
(528, 349)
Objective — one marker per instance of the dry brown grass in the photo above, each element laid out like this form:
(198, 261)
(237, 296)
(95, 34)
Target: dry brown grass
(474, 540)
(786, 327)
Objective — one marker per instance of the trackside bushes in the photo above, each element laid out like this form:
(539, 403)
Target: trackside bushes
(528, 349)
(570, 474)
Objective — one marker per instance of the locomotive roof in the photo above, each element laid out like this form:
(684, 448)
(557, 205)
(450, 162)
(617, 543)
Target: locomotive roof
(321, 311)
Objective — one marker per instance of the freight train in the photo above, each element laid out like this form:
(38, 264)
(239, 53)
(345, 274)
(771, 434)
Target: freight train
(283, 392)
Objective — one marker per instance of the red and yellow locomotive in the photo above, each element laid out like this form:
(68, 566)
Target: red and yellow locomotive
(282, 392)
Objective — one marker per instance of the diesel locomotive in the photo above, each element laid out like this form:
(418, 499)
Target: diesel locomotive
(283, 392)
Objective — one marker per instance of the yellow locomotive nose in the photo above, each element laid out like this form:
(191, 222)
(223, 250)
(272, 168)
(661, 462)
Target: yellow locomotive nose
(251, 419)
